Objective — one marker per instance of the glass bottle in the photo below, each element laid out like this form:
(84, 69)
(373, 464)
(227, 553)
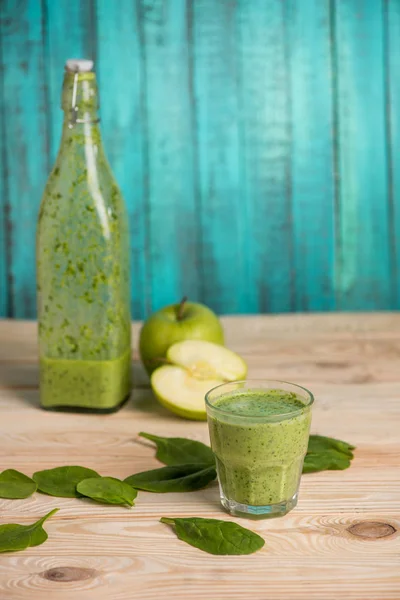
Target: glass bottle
(83, 264)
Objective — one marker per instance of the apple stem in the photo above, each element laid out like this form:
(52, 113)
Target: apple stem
(179, 313)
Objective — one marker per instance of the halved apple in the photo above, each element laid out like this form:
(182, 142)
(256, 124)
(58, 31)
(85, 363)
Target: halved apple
(196, 367)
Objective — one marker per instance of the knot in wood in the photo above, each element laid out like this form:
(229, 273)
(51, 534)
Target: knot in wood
(371, 530)
(68, 574)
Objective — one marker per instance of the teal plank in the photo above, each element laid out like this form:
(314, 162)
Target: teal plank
(120, 68)
(26, 142)
(392, 21)
(223, 244)
(69, 34)
(4, 205)
(221, 128)
(172, 221)
(265, 143)
(312, 177)
(363, 261)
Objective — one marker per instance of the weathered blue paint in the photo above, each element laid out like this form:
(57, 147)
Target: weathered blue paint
(265, 155)
(4, 206)
(256, 144)
(24, 105)
(222, 227)
(363, 252)
(69, 32)
(392, 47)
(172, 218)
(124, 124)
(312, 165)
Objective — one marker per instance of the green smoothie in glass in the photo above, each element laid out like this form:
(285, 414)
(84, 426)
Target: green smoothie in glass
(259, 434)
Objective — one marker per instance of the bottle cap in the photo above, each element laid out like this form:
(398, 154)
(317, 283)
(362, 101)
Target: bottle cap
(79, 65)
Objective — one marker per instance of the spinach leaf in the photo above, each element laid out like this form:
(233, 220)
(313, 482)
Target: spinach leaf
(15, 537)
(180, 478)
(14, 484)
(320, 443)
(215, 536)
(107, 490)
(180, 451)
(323, 453)
(329, 461)
(62, 481)
(327, 454)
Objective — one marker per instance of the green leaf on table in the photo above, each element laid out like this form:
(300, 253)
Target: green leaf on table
(180, 451)
(179, 478)
(62, 481)
(14, 484)
(15, 537)
(107, 490)
(320, 443)
(330, 461)
(327, 454)
(323, 453)
(215, 536)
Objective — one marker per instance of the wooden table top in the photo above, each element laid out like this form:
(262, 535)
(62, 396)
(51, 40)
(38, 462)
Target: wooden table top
(350, 362)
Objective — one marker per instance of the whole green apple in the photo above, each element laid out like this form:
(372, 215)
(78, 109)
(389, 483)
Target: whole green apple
(176, 323)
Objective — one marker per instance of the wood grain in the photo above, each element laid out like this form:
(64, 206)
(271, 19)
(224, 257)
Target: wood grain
(342, 540)
(312, 180)
(26, 141)
(173, 248)
(363, 255)
(218, 167)
(58, 48)
(265, 159)
(124, 126)
(4, 206)
(255, 144)
(392, 60)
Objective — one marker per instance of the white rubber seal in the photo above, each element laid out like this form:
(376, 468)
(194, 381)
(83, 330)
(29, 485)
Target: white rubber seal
(79, 65)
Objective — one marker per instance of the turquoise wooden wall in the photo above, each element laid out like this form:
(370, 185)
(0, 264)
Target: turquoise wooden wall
(257, 144)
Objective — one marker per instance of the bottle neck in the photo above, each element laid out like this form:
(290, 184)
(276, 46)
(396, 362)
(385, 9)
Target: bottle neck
(79, 99)
(79, 102)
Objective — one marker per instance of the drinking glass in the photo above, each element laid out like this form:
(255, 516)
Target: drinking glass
(259, 451)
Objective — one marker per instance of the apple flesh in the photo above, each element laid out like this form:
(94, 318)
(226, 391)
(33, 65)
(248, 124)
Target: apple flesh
(175, 323)
(181, 393)
(198, 367)
(205, 360)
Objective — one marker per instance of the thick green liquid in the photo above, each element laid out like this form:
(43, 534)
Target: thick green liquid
(260, 456)
(97, 384)
(83, 268)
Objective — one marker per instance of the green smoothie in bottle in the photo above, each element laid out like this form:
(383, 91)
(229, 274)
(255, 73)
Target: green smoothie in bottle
(83, 264)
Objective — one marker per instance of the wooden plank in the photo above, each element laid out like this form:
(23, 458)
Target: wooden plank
(25, 375)
(69, 34)
(123, 112)
(320, 335)
(352, 362)
(363, 262)
(4, 208)
(223, 237)
(265, 142)
(392, 31)
(346, 336)
(26, 142)
(91, 546)
(118, 59)
(173, 223)
(334, 369)
(160, 574)
(312, 177)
